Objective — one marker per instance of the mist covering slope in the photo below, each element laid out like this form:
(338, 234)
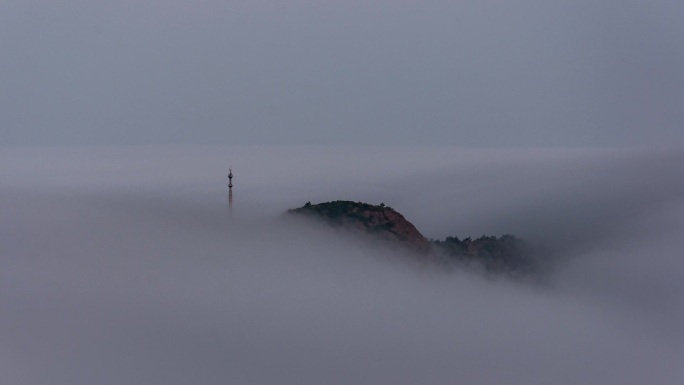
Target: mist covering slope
(123, 265)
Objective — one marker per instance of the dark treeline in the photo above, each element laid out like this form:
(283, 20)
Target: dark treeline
(505, 254)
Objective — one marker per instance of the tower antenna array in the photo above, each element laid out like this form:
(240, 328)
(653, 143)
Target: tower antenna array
(230, 189)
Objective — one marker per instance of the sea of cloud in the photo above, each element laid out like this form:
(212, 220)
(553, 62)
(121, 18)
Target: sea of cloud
(123, 265)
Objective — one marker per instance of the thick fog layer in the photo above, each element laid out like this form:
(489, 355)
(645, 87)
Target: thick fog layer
(124, 266)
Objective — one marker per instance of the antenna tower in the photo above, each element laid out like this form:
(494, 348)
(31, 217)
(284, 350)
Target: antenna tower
(230, 189)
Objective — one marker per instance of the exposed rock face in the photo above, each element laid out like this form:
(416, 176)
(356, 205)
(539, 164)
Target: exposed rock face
(379, 220)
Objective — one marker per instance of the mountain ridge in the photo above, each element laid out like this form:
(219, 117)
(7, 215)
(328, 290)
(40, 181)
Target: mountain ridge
(504, 254)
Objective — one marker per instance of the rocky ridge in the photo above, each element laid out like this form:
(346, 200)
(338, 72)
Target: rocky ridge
(379, 220)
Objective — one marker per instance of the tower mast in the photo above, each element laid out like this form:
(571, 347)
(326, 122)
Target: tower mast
(230, 190)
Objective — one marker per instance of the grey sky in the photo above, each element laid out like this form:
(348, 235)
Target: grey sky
(469, 73)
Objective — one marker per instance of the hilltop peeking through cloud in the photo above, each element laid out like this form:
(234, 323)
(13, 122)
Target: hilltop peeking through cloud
(123, 265)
